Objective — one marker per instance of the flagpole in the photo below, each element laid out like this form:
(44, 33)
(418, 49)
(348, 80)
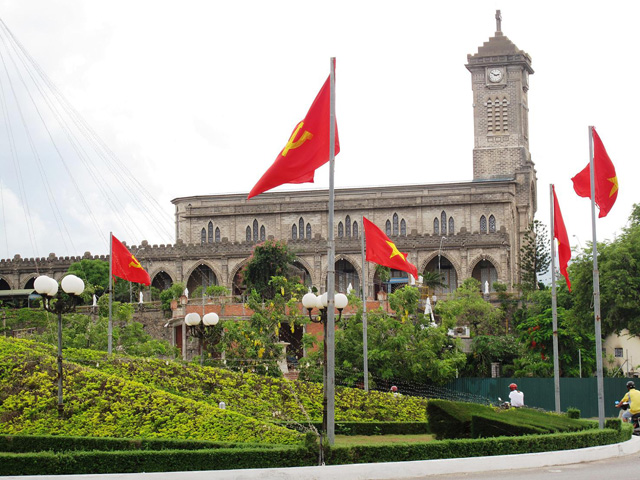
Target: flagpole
(596, 287)
(365, 355)
(554, 304)
(110, 328)
(331, 279)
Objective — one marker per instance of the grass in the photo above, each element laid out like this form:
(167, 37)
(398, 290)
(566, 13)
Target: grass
(349, 440)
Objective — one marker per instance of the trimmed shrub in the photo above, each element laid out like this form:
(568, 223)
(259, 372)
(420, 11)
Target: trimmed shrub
(573, 412)
(366, 428)
(483, 427)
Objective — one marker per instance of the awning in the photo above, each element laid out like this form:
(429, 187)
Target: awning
(16, 293)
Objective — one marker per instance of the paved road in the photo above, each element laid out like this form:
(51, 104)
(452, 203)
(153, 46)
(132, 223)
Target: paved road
(620, 468)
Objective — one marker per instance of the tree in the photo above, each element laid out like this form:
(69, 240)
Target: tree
(468, 307)
(254, 344)
(401, 348)
(535, 255)
(488, 349)
(619, 267)
(95, 274)
(269, 259)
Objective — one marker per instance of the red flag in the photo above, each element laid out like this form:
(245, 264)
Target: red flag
(125, 265)
(560, 232)
(605, 178)
(381, 250)
(306, 150)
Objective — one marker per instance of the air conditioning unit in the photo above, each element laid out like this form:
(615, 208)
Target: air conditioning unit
(459, 332)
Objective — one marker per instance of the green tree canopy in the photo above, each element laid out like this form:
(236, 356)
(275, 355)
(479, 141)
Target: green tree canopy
(269, 259)
(535, 255)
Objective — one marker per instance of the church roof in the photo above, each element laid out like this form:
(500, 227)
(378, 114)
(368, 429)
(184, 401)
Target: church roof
(499, 49)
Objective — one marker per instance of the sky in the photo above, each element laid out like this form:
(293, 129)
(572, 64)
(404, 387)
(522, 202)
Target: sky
(198, 97)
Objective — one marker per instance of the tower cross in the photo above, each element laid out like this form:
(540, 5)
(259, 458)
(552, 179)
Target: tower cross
(498, 22)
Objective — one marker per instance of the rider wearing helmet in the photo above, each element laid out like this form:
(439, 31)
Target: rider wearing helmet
(632, 397)
(516, 397)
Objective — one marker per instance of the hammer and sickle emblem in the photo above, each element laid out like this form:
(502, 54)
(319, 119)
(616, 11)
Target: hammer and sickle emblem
(134, 262)
(291, 144)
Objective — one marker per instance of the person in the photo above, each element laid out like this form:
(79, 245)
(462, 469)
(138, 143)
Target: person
(632, 398)
(394, 390)
(516, 397)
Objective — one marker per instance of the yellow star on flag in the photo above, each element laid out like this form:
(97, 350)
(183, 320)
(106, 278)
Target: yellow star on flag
(395, 251)
(614, 189)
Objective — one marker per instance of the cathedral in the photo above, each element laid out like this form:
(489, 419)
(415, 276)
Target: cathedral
(460, 230)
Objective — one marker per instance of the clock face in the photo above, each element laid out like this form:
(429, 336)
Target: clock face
(495, 75)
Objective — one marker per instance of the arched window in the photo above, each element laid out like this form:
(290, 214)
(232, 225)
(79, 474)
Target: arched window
(255, 230)
(452, 226)
(492, 224)
(340, 230)
(483, 224)
(217, 234)
(395, 224)
(403, 228)
(294, 231)
(347, 226)
(436, 226)
(355, 229)
(210, 232)
(263, 234)
(443, 222)
(387, 228)
(248, 234)
(301, 225)
(203, 237)
(308, 231)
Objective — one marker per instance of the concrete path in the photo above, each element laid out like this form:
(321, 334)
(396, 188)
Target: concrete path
(382, 471)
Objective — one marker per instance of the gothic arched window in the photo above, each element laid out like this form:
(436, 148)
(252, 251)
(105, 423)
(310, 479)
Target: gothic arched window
(483, 224)
(294, 231)
(255, 230)
(248, 234)
(395, 224)
(436, 226)
(403, 228)
(217, 234)
(308, 231)
(452, 225)
(492, 224)
(387, 228)
(301, 225)
(340, 230)
(263, 234)
(355, 229)
(347, 226)
(443, 222)
(203, 237)
(210, 228)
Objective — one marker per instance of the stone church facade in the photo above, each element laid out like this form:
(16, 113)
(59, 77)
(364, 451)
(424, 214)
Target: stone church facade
(465, 229)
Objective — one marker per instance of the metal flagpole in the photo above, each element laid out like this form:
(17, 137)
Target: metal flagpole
(330, 386)
(554, 305)
(365, 355)
(596, 287)
(110, 329)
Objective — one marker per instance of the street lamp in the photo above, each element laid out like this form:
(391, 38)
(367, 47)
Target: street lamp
(311, 301)
(197, 327)
(55, 302)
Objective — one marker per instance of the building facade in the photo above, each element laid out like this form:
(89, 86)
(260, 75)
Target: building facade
(465, 229)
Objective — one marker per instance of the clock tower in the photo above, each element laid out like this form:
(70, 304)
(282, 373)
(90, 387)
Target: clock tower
(500, 83)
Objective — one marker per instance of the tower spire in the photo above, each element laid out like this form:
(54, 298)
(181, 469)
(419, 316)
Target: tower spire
(498, 22)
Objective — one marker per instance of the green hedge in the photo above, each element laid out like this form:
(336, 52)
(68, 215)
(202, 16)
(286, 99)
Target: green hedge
(50, 463)
(469, 420)
(366, 428)
(440, 449)
(56, 443)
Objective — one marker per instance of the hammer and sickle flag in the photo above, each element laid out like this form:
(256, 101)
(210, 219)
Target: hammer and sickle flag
(306, 150)
(124, 265)
(381, 250)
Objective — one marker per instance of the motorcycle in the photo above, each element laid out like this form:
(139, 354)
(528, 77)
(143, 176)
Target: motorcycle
(503, 405)
(627, 417)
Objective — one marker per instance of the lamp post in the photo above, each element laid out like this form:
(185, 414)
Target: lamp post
(311, 301)
(197, 326)
(55, 302)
